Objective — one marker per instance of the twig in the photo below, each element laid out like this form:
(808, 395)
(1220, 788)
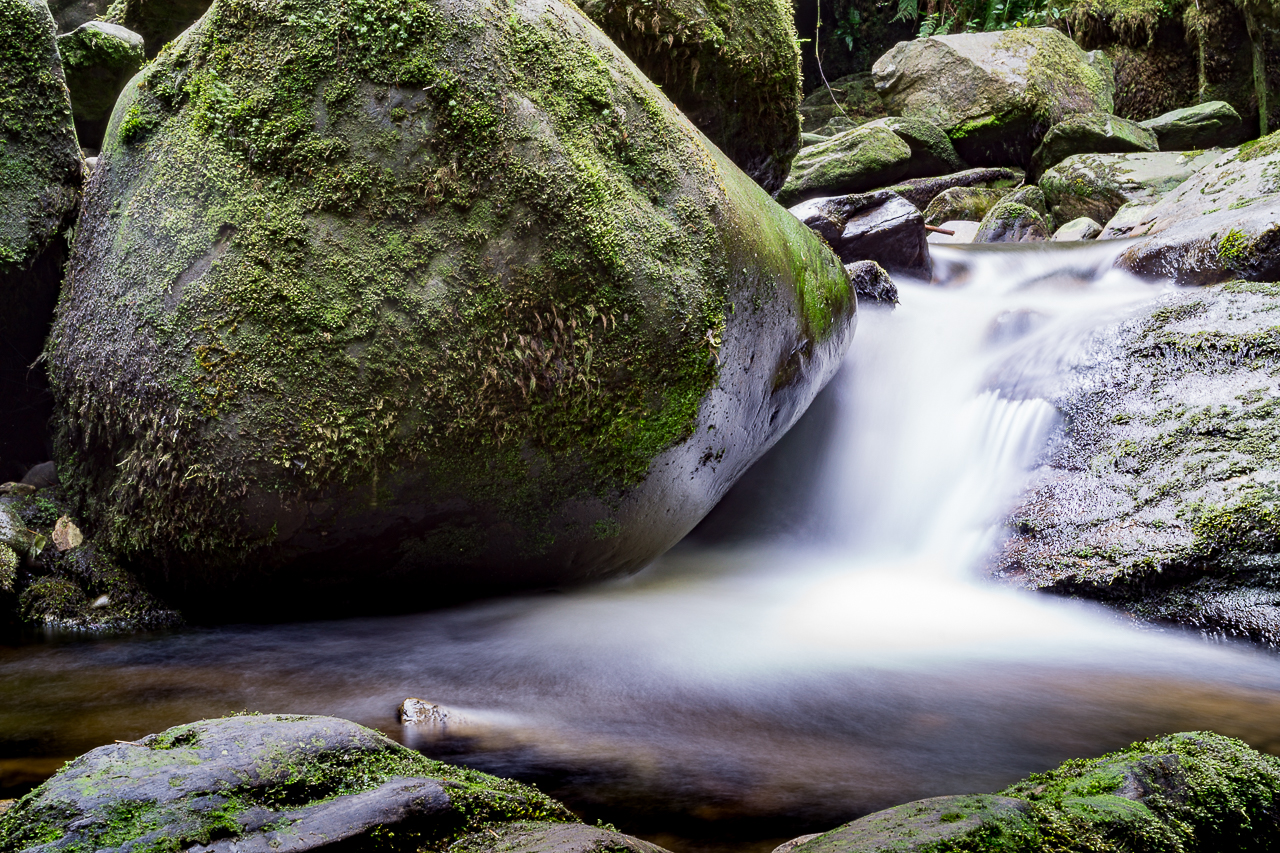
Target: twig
(935, 229)
(817, 55)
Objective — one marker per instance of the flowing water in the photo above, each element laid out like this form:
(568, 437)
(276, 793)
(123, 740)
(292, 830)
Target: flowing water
(821, 647)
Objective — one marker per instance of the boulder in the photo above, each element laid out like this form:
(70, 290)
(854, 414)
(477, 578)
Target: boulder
(881, 226)
(852, 162)
(1078, 230)
(994, 94)
(1096, 185)
(1128, 217)
(1012, 222)
(962, 231)
(1222, 223)
(69, 14)
(1091, 133)
(1214, 124)
(931, 152)
(98, 58)
(267, 782)
(872, 283)
(964, 203)
(855, 101)
(964, 822)
(40, 172)
(732, 68)
(161, 21)
(922, 191)
(401, 320)
(807, 139)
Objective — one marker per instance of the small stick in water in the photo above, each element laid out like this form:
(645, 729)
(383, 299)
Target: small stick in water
(938, 230)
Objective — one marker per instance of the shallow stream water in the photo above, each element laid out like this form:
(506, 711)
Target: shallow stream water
(821, 647)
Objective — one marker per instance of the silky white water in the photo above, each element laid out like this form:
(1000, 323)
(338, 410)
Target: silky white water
(825, 644)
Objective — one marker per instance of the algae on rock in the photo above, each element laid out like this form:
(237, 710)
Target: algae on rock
(369, 313)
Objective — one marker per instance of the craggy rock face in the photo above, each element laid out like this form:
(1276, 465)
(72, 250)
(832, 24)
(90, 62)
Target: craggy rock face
(732, 68)
(1097, 185)
(465, 303)
(1222, 223)
(266, 782)
(994, 94)
(1160, 496)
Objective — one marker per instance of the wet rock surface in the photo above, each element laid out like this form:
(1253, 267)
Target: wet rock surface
(272, 783)
(1159, 496)
(880, 226)
(872, 283)
(1097, 185)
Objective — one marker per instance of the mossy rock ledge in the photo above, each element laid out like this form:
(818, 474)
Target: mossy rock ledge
(262, 782)
(466, 304)
(732, 68)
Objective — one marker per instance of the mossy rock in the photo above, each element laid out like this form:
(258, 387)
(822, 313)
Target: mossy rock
(545, 837)
(852, 99)
(963, 203)
(732, 68)
(1091, 133)
(1208, 125)
(387, 317)
(976, 822)
(1097, 185)
(922, 191)
(1012, 221)
(259, 781)
(98, 58)
(858, 160)
(994, 94)
(932, 154)
(159, 21)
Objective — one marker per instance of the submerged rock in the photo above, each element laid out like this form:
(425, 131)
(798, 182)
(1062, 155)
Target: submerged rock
(1214, 124)
(1222, 223)
(1096, 185)
(1091, 133)
(267, 782)
(400, 320)
(880, 226)
(732, 68)
(99, 58)
(994, 94)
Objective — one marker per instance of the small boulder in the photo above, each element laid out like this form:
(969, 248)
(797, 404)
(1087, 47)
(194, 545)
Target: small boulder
(922, 191)
(42, 476)
(1012, 222)
(66, 536)
(1222, 223)
(1091, 133)
(1096, 185)
(1212, 124)
(880, 226)
(256, 782)
(872, 283)
(98, 58)
(964, 203)
(852, 162)
(931, 151)
(995, 93)
(1078, 230)
(15, 534)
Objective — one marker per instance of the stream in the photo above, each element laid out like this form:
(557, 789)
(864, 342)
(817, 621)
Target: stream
(822, 646)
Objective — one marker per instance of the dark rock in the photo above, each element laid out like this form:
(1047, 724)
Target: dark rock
(964, 203)
(543, 837)
(499, 376)
(975, 821)
(1012, 222)
(932, 153)
(263, 783)
(69, 14)
(1077, 230)
(1091, 133)
(872, 283)
(994, 94)
(41, 476)
(1215, 124)
(98, 58)
(880, 226)
(157, 21)
(732, 68)
(855, 101)
(1096, 185)
(852, 162)
(922, 191)
(1222, 223)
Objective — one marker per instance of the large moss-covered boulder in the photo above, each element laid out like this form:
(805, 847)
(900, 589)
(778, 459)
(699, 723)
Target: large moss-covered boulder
(733, 68)
(1097, 185)
(276, 782)
(376, 314)
(1214, 124)
(1090, 133)
(994, 94)
(1222, 223)
(98, 58)
(858, 160)
(40, 172)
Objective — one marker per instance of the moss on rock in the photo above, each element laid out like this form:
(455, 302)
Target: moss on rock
(428, 284)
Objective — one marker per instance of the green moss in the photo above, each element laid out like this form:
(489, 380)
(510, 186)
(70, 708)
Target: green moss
(8, 568)
(1234, 247)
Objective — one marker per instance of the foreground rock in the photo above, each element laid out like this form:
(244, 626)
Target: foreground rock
(994, 94)
(1097, 185)
(40, 172)
(881, 226)
(1190, 791)
(872, 283)
(99, 58)
(1159, 497)
(1222, 223)
(733, 69)
(464, 331)
(1215, 124)
(285, 783)
(1091, 133)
